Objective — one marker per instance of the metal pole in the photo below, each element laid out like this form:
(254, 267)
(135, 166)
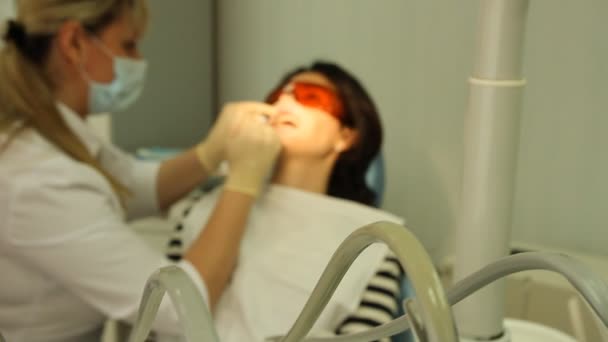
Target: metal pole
(490, 143)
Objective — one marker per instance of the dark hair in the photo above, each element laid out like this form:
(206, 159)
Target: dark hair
(347, 179)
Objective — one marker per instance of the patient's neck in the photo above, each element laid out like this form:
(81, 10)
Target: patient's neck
(304, 174)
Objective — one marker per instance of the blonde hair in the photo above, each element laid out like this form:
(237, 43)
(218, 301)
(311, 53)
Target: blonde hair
(26, 88)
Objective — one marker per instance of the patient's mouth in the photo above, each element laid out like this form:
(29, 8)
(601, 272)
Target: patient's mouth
(287, 123)
(284, 120)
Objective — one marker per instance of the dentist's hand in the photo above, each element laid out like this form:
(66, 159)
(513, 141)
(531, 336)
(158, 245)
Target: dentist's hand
(212, 151)
(252, 150)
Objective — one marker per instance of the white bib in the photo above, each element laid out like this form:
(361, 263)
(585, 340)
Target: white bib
(290, 238)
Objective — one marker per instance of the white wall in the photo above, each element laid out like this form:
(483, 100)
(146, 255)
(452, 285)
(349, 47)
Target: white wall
(175, 109)
(7, 10)
(562, 192)
(414, 56)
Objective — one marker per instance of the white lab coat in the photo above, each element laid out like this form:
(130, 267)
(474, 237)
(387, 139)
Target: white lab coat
(68, 260)
(290, 237)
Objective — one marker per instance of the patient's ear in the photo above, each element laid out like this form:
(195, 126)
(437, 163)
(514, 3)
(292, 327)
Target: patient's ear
(348, 138)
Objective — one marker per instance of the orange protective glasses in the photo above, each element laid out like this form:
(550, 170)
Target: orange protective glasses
(311, 95)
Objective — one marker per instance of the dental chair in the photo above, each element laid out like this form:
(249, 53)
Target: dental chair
(375, 179)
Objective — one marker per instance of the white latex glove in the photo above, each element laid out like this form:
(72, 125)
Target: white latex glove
(212, 151)
(252, 150)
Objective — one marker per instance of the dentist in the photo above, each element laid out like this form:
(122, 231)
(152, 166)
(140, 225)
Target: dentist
(68, 260)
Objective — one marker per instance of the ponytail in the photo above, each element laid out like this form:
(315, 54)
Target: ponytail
(26, 88)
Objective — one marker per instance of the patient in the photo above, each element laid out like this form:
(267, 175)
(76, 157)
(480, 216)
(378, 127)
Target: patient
(330, 133)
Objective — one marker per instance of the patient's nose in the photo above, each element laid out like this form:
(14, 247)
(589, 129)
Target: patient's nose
(285, 103)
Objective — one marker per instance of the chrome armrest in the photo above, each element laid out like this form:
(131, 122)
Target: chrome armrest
(432, 316)
(588, 284)
(190, 305)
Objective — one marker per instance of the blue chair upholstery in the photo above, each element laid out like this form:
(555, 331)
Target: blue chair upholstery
(375, 178)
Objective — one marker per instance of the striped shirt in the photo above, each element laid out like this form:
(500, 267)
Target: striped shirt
(380, 301)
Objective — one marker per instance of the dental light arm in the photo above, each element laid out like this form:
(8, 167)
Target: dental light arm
(432, 318)
(191, 308)
(590, 286)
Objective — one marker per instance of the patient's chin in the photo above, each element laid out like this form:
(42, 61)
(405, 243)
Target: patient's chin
(287, 134)
(299, 143)
(293, 151)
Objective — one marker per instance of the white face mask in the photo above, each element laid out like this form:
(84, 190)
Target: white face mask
(123, 91)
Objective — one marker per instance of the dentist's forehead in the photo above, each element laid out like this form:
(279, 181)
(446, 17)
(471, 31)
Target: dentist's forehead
(314, 78)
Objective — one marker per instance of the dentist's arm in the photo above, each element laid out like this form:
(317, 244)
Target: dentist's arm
(180, 175)
(251, 152)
